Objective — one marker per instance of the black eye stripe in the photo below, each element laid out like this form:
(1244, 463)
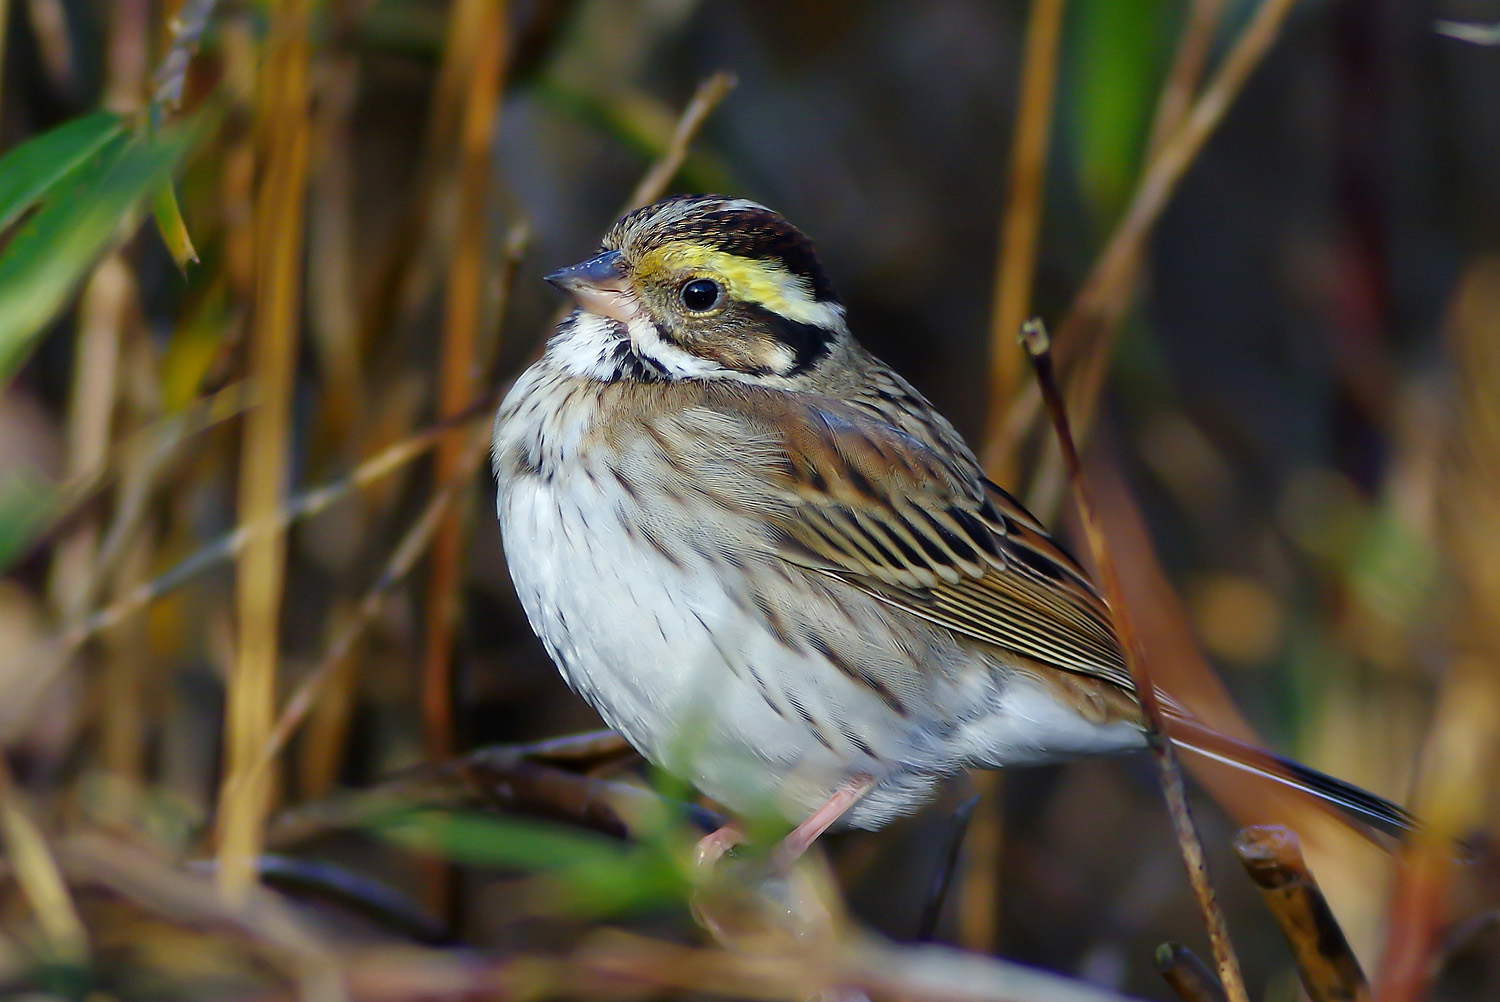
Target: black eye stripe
(808, 342)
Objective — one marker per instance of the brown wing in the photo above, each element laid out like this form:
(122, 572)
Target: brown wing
(903, 512)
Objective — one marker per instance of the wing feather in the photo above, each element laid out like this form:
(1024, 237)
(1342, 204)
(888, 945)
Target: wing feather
(888, 499)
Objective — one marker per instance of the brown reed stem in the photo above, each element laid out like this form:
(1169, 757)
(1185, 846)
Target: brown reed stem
(482, 53)
(1038, 346)
(1086, 335)
(1015, 260)
(284, 124)
(1329, 970)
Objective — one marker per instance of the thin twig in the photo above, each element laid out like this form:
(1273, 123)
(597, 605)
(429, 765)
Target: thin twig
(1038, 347)
(1330, 972)
(48, 658)
(1188, 61)
(171, 74)
(705, 99)
(358, 892)
(1467, 31)
(405, 555)
(510, 777)
(1086, 335)
(305, 505)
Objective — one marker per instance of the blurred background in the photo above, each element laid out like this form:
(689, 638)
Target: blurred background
(1296, 433)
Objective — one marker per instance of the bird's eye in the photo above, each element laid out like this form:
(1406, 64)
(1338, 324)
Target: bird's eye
(700, 295)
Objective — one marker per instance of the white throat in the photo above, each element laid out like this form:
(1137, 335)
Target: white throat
(591, 346)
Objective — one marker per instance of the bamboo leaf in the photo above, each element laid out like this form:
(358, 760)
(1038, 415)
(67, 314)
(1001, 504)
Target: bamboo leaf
(53, 251)
(31, 170)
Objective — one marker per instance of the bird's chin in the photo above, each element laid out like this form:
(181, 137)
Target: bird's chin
(611, 303)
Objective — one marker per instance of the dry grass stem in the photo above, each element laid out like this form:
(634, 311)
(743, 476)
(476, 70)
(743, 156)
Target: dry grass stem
(305, 505)
(102, 316)
(1038, 347)
(403, 557)
(284, 125)
(789, 972)
(37, 873)
(262, 920)
(1189, 59)
(1021, 221)
(1085, 337)
(482, 55)
(1330, 971)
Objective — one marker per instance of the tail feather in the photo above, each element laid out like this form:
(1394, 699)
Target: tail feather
(1366, 811)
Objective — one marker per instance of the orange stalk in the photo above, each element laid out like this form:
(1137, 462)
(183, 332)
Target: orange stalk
(1015, 261)
(484, 54)
(284, 124)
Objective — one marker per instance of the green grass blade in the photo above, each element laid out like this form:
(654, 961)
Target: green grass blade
(173, 230)
(595, 874)
(31, 170)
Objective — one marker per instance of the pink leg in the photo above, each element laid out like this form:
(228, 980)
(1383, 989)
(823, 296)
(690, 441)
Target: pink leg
(804, 835)
(712, 847)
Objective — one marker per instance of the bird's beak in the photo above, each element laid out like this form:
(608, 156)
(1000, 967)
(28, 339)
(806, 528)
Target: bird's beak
(599, 285)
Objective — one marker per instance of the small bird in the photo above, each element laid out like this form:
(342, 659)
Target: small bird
(774, 567)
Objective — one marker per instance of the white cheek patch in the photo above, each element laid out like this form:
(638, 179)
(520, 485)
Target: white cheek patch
(678, 363)
(585, 344)
(780, 358)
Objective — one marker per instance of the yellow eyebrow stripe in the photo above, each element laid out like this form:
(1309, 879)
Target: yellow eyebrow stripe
(765, 281)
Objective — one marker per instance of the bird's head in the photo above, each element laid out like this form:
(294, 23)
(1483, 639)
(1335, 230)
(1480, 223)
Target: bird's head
(704, 286)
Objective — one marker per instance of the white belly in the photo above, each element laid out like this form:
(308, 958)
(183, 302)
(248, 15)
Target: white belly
(645, 643)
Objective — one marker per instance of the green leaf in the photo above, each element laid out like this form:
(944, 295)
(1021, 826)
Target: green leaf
(173, 230)
(31, 170)
(1116, 68)
(55, 249)
(26, 497)
(596, 874)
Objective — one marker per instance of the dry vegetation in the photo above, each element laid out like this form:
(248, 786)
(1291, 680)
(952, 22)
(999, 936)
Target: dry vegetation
(273, 724)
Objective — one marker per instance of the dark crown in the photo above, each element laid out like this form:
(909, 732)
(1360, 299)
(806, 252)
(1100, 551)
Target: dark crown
(735, 226)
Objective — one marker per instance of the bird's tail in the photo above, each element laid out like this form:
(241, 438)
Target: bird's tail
(1365, 811)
